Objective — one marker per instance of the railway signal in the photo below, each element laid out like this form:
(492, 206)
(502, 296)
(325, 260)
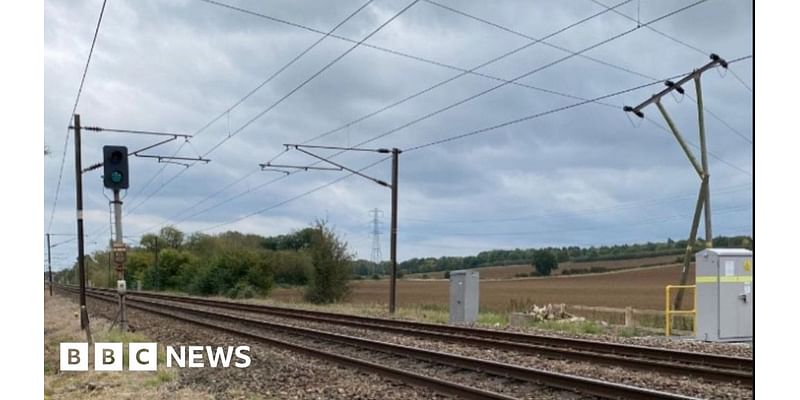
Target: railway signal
(115, 167)
(116, 178)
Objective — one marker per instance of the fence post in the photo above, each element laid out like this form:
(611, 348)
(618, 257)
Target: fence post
(629, 322)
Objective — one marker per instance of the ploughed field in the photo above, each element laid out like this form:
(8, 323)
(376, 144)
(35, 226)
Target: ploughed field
(641, 288)
(513, 271)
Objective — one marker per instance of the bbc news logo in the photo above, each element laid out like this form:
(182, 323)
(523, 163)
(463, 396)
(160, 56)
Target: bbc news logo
(74, 356)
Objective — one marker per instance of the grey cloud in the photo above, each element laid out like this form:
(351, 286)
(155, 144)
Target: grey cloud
(176, 65)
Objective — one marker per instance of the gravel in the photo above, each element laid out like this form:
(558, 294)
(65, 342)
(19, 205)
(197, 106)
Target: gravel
(273, 373)
(284, 374)
(744, 350)
(688, 386)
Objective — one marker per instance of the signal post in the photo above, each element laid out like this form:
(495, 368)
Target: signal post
(115, 177)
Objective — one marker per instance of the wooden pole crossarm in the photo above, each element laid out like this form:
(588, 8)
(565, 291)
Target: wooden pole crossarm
(715, 60)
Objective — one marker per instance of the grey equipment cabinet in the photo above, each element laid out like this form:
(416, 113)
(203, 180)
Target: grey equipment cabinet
(725, 290)
(464, 296)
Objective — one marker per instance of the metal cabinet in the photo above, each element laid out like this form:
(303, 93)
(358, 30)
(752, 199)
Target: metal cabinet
(725, 290)
(464, 296)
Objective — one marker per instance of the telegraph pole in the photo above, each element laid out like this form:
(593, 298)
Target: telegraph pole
(79, 214)
(704, 196)
(393, 237)
(49, 268)
(158, 279)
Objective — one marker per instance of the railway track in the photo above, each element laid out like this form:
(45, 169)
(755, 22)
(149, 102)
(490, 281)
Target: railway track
(682, 363)
(174, 309)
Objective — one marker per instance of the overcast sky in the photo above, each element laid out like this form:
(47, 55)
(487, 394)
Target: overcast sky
(587, 175)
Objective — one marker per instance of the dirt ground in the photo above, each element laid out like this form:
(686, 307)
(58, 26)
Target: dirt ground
(512, 271)
(640, 288)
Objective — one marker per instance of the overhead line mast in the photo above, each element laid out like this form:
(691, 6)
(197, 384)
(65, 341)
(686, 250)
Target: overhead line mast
(393, 186)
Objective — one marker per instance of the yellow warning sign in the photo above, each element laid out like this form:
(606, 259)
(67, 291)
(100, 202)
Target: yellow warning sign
(748, 265)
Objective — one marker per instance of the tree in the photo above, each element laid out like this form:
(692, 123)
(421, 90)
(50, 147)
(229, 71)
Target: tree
(149, 241)
(171, 236)
(544, 261)
(330, 272)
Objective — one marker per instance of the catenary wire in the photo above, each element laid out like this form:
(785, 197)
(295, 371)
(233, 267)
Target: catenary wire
(652, 21)
(465, 72)
(587, 211)
(301, 195)
(312, 77)
(251, 93)
(301, 85)
(691, 47)
(614, 9)
(414, 57)
(544, 113)
(74, 108)
(456, 137)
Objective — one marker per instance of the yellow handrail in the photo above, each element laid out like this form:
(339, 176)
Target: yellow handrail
(668, 312)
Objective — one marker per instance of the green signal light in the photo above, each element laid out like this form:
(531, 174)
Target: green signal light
(116, 177)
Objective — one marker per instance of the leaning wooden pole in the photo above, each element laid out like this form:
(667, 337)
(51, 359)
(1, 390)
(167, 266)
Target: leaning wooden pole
(687, 256)
(704, 160)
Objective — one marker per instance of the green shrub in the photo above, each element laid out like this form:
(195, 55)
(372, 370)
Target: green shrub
(330, 261)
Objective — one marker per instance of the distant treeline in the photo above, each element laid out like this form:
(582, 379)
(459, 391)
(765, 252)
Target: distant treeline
(245, 265)
(230, 264)
(563, 254)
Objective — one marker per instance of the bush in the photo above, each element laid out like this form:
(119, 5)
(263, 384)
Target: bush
(291, 267)
(242, 291)
(330, 261)
(233, 271)
(375, 277)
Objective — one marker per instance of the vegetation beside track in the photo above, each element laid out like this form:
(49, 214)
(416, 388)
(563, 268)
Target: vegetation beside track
(61, 324)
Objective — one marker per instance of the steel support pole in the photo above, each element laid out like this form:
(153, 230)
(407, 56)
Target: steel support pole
(123, 315)
(79, 215)
(49, 267)
(110, 252)
(704, 160)
(687, 256)
(393, 240)
(158, 278)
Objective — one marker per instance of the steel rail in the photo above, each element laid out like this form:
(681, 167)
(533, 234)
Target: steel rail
(411, 378)
(464, 333)
(698, 371)
(557, 380)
